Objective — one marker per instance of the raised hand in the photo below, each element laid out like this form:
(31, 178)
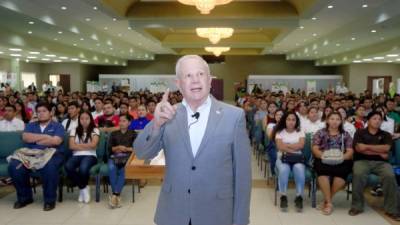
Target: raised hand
(164, 111)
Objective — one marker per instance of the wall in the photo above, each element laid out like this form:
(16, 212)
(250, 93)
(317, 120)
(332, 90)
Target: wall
(235, 68)
(358, 74)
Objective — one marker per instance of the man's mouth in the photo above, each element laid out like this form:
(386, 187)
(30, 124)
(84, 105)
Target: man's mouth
(198, 89)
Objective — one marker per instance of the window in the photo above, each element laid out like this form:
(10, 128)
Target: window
(27, 79)
(54, 79)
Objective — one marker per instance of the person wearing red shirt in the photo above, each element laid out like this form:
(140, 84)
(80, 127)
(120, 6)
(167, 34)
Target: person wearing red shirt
(108, 122)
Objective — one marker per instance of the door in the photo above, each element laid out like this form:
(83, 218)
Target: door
(217, 88)
(65, 81)
(386, 82)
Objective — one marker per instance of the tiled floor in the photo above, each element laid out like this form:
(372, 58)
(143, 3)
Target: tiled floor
(263, 212)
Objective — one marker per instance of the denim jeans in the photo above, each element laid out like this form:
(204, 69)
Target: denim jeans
(284, 169)
(117, 177)
(78, 169)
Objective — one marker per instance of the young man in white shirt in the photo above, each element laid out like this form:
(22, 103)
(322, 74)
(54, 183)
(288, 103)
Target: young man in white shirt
(10, 122)
(98, 104)
(71, 123)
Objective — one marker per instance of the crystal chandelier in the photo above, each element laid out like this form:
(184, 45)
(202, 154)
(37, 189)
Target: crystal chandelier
(214, 34)
(217, 51)
(204, 6)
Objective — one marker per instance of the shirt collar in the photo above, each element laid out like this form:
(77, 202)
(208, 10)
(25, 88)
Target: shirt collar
(205, 104)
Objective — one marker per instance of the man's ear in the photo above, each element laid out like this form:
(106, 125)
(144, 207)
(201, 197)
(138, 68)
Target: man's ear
(178, 84)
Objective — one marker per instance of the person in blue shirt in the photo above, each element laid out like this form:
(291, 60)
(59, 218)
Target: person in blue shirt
(42, 134)
(141, 121)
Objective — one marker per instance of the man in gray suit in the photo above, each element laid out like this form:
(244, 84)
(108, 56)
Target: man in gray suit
(207, 153)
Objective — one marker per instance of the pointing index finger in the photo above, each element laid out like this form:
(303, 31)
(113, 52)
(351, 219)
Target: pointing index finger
(165, 96)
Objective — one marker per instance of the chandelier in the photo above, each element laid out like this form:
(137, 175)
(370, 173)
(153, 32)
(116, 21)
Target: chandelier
(204, 6)
(214, 34)
(217, 50)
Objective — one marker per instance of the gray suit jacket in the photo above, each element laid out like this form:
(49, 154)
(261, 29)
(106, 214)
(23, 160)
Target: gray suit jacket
(211, 188)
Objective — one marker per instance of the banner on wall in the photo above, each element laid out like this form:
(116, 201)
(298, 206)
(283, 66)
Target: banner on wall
(398, 86)
(378, 86)
(12, 80)
(311, 86)
(279, 86)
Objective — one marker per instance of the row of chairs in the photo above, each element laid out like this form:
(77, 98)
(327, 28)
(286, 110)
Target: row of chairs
(10, 141)
(260, 141)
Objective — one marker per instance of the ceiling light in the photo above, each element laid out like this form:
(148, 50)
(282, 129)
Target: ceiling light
(337, 44)
(59, 32)
(57, 60)
(105, 28)
(31, 22)
(15, 55)
(95, 7)
(63, 57)
(75, 59)
(129, 28)
(379, 57)
(31, 57)
(84, 61)
(367, 60)
(114, 19)
(373, 31)
(63, 8)
(50, 55)
(389, 61)
(365, 6)
(204, 6)
(29, 32)
(314, 35)
(214, 34)
(119, 35)
(330, 6)
(314, 18)
(15, 49)
(27, 60)
(88, 19)
(82, 39)
(34, 53)
(356, 61)
(45, 59)
(392, 55)
(353, 38)
(56, 39)
(302, 27)
(1, 52)
(217, 51)
(397, 59)
(74, 44)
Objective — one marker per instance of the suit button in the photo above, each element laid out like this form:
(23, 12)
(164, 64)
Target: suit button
(189, 191)
(193, 168)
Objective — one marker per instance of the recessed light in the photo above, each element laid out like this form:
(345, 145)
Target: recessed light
(365, 6)
(114, 19)
(27, 60)
(15, 49)
(29, 32)
(50, 55)
(105, 28)
(129, 28)
(59, 32)
(367, 60)
(57, 60)
(119, 35)
(82, 39)
(84, 61)
(63, 7)
(314, 18)
(330, 6)
(63, 57)
(15, 55)
(356, 61)
(95, 7)
(74, 44)
(88, 19)
(56, 39)
(301, 27)
(382, 38)
(1, 52)
(45, 59)
(389, 61)
(379, 57)
(353, 38)
(397, 59)
(392, 55)
(31, 22)
(34, 53)
(31, 57)
(75, 59)
(111, 49)
(373, 31)
(337, 44)
(314, 34)
(17, 59)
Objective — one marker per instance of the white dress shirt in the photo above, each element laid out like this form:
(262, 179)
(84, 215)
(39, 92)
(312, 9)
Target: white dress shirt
(72, 126)
(11, 125)
(197, 128)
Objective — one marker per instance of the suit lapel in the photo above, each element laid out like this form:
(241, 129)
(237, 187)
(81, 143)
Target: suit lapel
(181, 119)
(212, 123)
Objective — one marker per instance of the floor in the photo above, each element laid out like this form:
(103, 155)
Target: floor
(141, 212)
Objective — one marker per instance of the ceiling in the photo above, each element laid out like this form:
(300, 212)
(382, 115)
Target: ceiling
(110, 32)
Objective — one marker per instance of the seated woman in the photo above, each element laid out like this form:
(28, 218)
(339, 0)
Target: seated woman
(313, 123)
(120, 148)
(271, 147)
(289, 141)
(332, 137)
(347, 126)
(141, 121)
(83, 142)
(359, 120)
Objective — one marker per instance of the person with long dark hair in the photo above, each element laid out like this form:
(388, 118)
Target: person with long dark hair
(83, 143)
(332, 137)
(290, 141)
(21, 112)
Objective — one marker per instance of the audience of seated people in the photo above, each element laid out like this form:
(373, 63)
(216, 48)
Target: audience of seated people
(285, 118)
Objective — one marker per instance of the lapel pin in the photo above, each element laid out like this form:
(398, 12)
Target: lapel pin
(218, 112)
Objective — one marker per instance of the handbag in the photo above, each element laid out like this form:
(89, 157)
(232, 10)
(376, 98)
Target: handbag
(120, 159)
(293, 158)
(333, 156)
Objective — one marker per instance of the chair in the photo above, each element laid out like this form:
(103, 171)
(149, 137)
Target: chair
(98, 170)
(310, 174)
(9, 142)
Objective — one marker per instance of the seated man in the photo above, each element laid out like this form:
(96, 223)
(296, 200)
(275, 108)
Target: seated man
(10, 122)
(108, 122)
(372, 148)
(40, 135)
